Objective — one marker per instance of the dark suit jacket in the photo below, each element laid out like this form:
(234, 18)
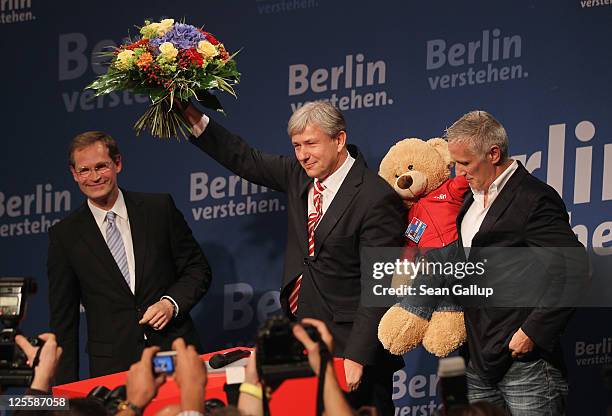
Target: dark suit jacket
(526, 213)
(168, 261)
(365, 212)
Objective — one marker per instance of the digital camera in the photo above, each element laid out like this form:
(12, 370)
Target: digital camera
(14, 369)
(280, 355)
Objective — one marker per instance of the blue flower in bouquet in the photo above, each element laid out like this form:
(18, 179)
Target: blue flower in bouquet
(182, 36)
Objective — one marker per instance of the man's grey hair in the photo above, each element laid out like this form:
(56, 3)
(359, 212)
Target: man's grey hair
(320, 113)
(479, 130)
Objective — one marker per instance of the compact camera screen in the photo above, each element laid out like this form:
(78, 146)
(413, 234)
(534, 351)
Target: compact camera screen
(163, 362)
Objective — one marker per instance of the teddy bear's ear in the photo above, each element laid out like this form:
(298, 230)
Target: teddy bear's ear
(441, 147)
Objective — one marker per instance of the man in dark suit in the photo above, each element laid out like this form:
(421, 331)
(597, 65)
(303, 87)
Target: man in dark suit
(336, 207)
(515, 359)
(129, 258)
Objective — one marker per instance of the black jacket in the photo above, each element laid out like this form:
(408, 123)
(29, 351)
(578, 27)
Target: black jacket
(526, 213)
(365, 212)
(81, 269)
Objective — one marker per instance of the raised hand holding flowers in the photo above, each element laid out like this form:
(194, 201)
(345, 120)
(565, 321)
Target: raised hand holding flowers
(169, 61)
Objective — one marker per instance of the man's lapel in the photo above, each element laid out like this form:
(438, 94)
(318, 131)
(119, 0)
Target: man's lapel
(467, 202)
(92, 236)
(502, 201)
(138, 228)
(302, 214)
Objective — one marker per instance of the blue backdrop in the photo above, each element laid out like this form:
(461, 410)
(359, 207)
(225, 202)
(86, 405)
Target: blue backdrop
(396, 68)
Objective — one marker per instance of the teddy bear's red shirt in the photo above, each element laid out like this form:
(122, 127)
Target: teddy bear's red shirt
(433, 218)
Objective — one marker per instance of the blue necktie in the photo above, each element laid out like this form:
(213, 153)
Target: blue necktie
(116, 247)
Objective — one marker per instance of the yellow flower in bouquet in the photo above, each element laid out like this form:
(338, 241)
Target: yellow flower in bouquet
(157, 29)
(167, 51)
(149, 31)
(164, 26)
(207, 49)
(125, 60)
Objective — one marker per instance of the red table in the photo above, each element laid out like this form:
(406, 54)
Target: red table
(298, 395)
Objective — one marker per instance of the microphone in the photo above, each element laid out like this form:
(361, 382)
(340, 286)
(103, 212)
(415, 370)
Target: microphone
(453, 383)
(221, 360)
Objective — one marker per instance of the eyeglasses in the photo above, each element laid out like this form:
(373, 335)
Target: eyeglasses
(101, 168)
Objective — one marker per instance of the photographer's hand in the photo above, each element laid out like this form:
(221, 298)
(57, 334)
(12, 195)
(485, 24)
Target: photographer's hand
(314, 356)
(141, 384)
(249, 404)
(47, 360)
(333, 396)
(250, 371)
(190, 376)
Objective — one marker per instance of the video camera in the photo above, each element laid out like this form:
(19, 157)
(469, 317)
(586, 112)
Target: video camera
(280, 355)
(14, 369)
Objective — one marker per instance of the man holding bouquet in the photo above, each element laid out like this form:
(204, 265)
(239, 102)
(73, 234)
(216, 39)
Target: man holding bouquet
(336, 206)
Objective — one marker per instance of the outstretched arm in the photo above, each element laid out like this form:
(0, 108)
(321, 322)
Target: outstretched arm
(231, 151)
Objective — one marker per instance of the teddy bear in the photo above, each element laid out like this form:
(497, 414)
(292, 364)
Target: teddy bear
(419, 171)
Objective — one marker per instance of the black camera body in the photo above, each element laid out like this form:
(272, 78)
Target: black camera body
(110, 399)
(14, 369)
(280, 355)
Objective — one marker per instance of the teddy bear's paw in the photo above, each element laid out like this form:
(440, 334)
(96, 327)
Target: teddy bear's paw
(446, 333)
(401, 331)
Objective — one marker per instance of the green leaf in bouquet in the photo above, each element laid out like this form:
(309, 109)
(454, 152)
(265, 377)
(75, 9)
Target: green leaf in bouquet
(225, 86)
(109, 82)
(157, 94)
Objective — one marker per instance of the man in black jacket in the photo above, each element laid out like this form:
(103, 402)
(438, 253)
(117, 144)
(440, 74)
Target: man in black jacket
(336, 207)
(515, 358)
(129, 258)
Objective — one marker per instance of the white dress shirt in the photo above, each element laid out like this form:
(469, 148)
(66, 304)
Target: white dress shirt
(478, 211)
(200, 126)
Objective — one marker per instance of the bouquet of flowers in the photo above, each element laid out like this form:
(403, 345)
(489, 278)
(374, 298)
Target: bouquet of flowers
(169, 61)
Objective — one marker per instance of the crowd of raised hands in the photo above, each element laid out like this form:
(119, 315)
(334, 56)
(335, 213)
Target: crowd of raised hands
(190, 376)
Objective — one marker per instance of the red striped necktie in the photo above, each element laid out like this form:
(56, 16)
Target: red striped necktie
(313, 219)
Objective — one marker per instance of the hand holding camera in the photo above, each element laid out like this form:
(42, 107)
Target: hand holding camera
(313, 347)
(146, 376)
(16, 368)
(48, 357)
(190, 376)
(280, 355)
(142, 383)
